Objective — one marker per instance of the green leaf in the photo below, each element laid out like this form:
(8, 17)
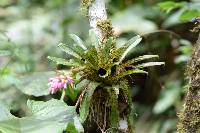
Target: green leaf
(133, 42)
(170, 5)
(106, 50)
(75, 127)
(169, 95)
(134, 71)
(84, 107)
(189, 14)
(71, 50)
(94, 39)
(78, 41)
(148, 64)
(92, 58)
(70, 62)
(141, 58)
(5, 53)
(114, 112)
(35, 84)
(52, 116)
(80, 86)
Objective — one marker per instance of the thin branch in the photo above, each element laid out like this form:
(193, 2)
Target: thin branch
(97, 12)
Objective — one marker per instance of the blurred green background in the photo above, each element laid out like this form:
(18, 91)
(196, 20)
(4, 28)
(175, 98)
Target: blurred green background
(30, 30)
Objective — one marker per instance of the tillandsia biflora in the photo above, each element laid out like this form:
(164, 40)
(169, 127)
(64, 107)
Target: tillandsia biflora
(101, 70)
(189, 118)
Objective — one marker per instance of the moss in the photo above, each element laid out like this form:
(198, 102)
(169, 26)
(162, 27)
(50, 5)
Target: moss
(106, 27)
(189, 118)
(129, 110)
(85, 4)
(114, 112)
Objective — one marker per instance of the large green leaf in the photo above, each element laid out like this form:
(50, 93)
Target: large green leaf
(46, 117)
(84, 108)
(35, 84)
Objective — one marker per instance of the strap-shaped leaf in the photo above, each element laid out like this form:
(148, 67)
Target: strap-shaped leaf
(61, 61)
(141, 58)
(114, 111)
(148, 64)
(106, 49)
(129, 72)
(81, 85)
(78, 41)
(129, 45)
(92, 58)
(84, 108)
(69, 50)
(94, 39)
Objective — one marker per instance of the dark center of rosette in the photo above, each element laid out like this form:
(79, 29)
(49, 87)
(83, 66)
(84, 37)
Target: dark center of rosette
(102, 72)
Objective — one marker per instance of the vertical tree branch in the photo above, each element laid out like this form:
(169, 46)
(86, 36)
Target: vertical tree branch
(97, 13)
(189, 118)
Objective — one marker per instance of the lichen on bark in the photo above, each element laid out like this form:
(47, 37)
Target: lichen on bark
(189, 118)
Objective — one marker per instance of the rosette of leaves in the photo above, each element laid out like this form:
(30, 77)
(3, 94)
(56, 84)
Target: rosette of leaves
(102, 65)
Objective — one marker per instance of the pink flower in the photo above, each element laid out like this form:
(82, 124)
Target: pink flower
(59, 82)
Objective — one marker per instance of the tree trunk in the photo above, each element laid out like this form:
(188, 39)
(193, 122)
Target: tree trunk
(189, 118)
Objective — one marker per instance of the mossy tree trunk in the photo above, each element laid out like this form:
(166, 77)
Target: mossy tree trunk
(189, 118)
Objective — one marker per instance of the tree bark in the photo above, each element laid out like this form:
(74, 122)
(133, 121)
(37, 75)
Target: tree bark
(97, 12)
(189, 118)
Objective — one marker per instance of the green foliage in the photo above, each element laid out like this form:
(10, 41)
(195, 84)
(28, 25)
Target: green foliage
(103, 65)
(169, 95)
(185, 12)
(170, 5)
(189, 14)
(85, 105)
(70, 63)
(185, 51)
(114, 112)
(35, 84)
(134, 15)
(36, 26)
(51, 116)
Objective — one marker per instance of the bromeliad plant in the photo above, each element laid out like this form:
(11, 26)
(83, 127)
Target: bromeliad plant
(100, 66)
